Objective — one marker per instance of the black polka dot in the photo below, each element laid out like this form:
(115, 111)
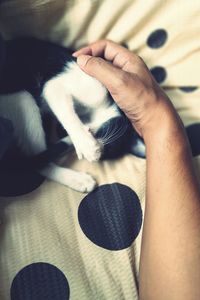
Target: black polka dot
(40, 281)
(188, 89)
(159, 74)
(193, 133)
(111, 216)
(157, 38)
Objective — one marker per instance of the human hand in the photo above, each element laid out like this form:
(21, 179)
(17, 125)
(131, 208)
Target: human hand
(128, 80)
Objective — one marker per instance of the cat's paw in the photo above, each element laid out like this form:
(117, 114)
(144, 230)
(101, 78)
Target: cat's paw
(83, 182)
(91, 150)
(88, 147)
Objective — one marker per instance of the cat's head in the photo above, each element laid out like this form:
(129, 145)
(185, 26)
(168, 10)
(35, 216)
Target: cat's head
(108, 124)
(96, 108)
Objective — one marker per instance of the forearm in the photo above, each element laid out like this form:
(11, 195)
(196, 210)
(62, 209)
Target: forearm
(170, 253)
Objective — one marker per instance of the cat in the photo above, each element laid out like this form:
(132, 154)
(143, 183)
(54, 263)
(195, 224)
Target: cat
(39, 77)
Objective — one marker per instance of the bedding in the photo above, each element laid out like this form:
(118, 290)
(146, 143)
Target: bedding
(56, 243)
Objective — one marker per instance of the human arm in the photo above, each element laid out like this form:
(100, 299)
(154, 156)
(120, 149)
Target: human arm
(170, 251)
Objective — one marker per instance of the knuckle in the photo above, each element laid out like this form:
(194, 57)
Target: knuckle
(93, 61)
(136, 59)
(102, 42)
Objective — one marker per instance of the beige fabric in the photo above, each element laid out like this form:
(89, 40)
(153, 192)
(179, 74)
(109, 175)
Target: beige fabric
(79, 22)
(43, 226)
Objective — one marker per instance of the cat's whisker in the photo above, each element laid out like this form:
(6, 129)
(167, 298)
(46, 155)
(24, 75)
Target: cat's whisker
(113, 127)
(113, 137)
(108, 131)
(109, 134)
(119, 132)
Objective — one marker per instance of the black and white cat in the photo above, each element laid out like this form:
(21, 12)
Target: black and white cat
(38, 77)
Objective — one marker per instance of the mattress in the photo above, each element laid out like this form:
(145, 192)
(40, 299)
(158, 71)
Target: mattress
(56, 243)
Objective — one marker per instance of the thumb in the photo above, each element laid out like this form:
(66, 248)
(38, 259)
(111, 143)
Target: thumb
(110, 76)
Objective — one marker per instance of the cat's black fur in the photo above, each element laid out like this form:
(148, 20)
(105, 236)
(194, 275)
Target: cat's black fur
(29, 63)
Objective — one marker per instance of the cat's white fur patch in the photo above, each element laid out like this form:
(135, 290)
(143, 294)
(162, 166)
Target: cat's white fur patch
(56, 94)
(78, 181)
(102, 115)
(83, 87)
(139, 148)
(25, 115)
(86, 89)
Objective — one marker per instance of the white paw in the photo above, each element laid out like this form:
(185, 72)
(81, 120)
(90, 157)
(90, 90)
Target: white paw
(88, 147)
(83, 182)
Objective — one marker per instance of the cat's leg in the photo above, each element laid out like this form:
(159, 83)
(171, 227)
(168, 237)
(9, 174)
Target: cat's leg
(62, 106)
(22, 110)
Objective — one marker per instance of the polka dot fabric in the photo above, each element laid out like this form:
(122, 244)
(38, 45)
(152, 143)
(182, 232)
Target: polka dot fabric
(73, 233)
(60, 244)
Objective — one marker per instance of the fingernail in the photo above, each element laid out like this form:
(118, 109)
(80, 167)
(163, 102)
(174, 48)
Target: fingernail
(75, 53)
(82, 60)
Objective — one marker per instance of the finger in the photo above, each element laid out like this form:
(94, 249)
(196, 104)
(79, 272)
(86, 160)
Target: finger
(94, 49)
(110, 76)
(103, 48)
(115, 53)
(120, 57)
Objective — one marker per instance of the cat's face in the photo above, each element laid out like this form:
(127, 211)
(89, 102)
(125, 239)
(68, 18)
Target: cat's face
(108, 124)
(96, 108)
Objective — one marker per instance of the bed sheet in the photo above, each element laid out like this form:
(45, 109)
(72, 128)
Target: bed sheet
(56, 243)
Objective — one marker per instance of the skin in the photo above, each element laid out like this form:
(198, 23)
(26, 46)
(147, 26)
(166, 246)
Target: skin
(170, 250)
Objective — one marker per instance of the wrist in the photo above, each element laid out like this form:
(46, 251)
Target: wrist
(164, 128)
